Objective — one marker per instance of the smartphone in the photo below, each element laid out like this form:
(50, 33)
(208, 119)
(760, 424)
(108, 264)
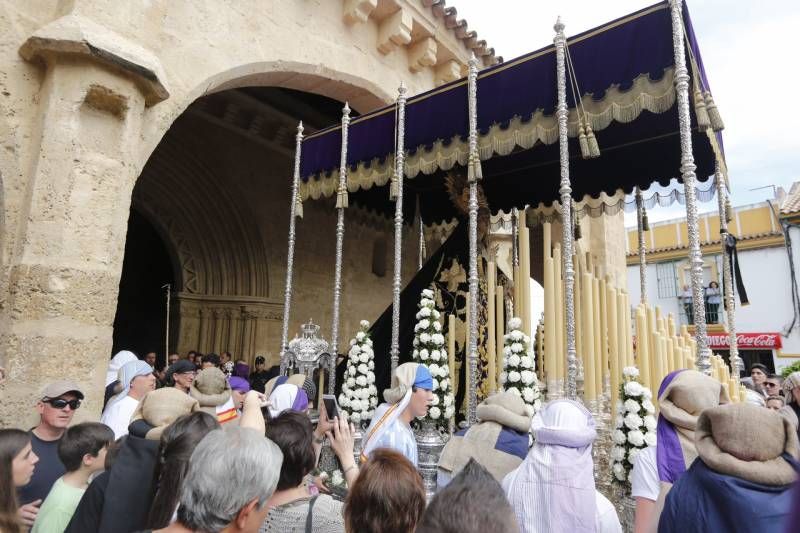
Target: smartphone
(331, 406)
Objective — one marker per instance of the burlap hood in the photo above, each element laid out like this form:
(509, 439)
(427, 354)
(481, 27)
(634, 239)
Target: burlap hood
(747, 442)
(210, 388)
(507, 409)
(162, 407)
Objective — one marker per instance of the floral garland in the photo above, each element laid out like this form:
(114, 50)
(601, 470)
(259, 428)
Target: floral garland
(429, 350)
(518, 375)
(635, 427)
(359, 396)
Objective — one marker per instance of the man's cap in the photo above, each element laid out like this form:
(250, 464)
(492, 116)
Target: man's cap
(57, 388)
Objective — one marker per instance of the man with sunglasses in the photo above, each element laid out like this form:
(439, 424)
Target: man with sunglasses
(56, 406)
(773, 385)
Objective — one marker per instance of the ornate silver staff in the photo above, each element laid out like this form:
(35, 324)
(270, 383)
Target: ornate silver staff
(168, 289)
(566, 211)
(399, 173)
(737, 365)
(642, 254)
(689, 178)
(295, 200)
(473, 175)
(341, 204)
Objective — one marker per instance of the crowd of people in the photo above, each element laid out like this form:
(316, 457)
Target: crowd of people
(206, 445)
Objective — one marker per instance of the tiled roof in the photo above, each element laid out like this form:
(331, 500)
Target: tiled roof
(461, 30)
(751, 237)
(791, 204)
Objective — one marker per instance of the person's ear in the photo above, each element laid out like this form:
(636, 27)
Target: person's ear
(88, 459)
(40, 407)
(244, 513)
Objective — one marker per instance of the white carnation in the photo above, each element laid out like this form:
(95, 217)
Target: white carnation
(360, 336)
(648, 406)
(650, 422)
(632, 388)
(515, 323)
(351, 370)
(361, 381)
(364, 324)
(435, 314)
(527, 394)
(435, 384)
(632, 406)
(516, 335)
(630, 371)
(371, 378)
(517, 347)
(423, 354)
(438, 339)
(618, 453)
(513, 361)
(514, 376)
(371, 365)
(364, 358)
(632, 453)
(507, 351)
(435, 400)
(424, 338)
(427, 293)
(433, 369)
(526, 361)
(619, 472)
(424, 312)
(633, 421)
(435, 413)
(527, 377)
(355, 417)
(650, 438)
(373, 402)
(362, 368)
(619, 437)
(636, 437)
(437, 326)
(351, 382)
(448, 400)
(354, 351)
(344, 402)
(448, 412)
(646, 393)
(436, 355)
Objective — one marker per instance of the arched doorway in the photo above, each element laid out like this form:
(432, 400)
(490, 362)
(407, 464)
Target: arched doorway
(211, 208)
(146, 268)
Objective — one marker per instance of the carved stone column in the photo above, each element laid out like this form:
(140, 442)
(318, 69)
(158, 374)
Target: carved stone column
(64, 276)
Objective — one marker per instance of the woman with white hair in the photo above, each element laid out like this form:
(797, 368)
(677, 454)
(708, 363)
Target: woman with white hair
(553, 490)
(391, 424)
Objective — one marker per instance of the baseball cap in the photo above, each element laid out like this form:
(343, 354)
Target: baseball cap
(63, 386)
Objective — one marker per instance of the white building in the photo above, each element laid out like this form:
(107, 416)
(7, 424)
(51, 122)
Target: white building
(768, 328)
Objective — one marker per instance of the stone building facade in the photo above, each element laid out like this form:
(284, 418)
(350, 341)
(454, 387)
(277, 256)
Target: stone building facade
(181, 114)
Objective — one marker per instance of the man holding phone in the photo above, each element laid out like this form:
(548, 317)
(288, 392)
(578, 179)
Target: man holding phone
(391, 424)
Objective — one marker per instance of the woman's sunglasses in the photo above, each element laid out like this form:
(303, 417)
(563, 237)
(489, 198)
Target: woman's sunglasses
(60, 403)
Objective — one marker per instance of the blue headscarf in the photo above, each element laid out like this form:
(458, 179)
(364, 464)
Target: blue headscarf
(423, 378)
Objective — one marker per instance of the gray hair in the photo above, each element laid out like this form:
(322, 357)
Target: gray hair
(228, 470)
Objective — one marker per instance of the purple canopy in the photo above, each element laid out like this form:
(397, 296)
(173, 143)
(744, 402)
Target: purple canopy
(624, 69)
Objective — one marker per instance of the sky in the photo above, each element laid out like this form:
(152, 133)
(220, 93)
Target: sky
(749, 50)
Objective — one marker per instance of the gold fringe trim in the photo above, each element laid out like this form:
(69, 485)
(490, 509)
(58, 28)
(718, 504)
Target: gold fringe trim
(616, 105)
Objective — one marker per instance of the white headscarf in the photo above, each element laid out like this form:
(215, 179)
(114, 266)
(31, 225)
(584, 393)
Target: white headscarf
(285, 397)
(116, 363)
(553, 489)
(126, 374)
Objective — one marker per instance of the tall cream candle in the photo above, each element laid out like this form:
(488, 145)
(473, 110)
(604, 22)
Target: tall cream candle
(660, 362)
(613, 346)
(491, 341)
(550, 323)
(597, 337)
(604, 328)
(587, 333)
(560, 316)
(525, 274)
(628, 327)
(642, 346)
(499, 332)
(621, 338)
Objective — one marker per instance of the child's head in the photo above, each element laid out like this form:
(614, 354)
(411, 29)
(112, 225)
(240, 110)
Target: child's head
(84, 446)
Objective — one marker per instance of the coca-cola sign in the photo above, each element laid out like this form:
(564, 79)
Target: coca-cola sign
(746, 341)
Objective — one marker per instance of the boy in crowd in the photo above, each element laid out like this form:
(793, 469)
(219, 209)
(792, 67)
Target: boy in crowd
(82, 449)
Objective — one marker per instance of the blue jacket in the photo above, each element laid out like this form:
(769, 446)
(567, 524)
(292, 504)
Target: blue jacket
(703, 500)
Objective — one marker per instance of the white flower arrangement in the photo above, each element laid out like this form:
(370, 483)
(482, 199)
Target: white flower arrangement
(517, 375)
(635, 426)
(359, 396)
(429, 349)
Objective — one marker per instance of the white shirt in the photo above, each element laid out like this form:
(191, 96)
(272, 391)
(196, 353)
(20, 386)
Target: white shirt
(118, 416)
(644, 480)
(606, 520)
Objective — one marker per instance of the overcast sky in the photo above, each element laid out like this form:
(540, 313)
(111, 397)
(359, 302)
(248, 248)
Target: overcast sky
(749, 50)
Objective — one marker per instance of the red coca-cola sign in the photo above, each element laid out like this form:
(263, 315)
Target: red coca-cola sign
(746, 341)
